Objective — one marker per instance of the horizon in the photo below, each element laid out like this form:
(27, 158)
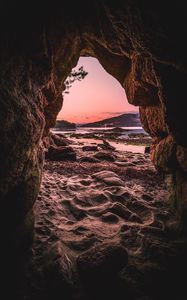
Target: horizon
(107, 98)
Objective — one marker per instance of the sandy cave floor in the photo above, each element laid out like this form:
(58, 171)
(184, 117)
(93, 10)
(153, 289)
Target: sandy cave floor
(84, 204)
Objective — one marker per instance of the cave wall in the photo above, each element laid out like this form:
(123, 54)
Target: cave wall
(137, 43)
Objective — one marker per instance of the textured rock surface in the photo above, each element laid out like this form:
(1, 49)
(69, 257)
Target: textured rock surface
(136, 42)
(61, 153)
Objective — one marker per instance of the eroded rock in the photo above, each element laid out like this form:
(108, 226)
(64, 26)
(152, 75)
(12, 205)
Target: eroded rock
(61, 153)
(59, 270)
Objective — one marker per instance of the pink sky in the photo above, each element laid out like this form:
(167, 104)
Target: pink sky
(97, 96)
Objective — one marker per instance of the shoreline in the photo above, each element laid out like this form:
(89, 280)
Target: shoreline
(114, 135)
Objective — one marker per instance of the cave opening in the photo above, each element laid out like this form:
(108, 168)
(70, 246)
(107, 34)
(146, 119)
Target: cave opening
(104, 221)
(98, 171)
(99, 102)
(96, 199)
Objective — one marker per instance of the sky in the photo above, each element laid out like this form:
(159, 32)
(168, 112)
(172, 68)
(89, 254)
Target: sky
(96, 97)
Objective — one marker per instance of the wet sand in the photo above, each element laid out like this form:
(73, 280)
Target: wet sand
(92, 202)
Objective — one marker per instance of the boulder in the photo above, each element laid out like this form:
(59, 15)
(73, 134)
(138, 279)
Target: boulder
(59, 140)
(53, 139)
(61, 153)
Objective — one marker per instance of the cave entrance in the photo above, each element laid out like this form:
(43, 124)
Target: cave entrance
(96, 199)
(98, 108)
(94, 193)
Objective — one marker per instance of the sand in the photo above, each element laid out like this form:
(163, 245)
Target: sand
(82, 205)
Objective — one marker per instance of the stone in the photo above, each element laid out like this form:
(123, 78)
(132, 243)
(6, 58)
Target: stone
(106, 146)
(61, 153)
(54, 139)
(104, 155)
(89, 148)
(147, 149)
(59, 140)
(59, 270)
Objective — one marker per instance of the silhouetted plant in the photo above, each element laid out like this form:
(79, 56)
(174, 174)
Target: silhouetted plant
(79, 75)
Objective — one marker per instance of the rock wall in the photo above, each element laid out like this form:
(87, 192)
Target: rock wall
(137, 42)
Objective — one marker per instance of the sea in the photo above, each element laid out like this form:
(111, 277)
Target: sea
(119, 145)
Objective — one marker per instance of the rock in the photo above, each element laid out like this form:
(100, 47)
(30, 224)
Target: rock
(61, 153)
(113, 181)
(181, 157)
(147, 149)
(164, 155)
(54, 139)
(106, 146)
(102, 146)
(102, 261)
(59, 140)
(89, 148)
(104, 155)
(59, 268)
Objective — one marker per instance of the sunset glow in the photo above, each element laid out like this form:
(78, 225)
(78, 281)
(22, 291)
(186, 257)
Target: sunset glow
(97, 96)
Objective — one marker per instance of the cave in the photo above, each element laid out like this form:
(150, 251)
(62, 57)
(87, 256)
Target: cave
(139, 45)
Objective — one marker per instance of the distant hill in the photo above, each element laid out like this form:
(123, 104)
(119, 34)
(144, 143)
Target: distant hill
(124, 120)
(64, 125)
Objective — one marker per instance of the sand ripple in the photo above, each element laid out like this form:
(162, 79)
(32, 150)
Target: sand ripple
(84, 204)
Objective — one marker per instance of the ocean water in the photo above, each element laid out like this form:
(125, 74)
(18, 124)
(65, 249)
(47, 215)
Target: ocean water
(120, 146)
(83, 130)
